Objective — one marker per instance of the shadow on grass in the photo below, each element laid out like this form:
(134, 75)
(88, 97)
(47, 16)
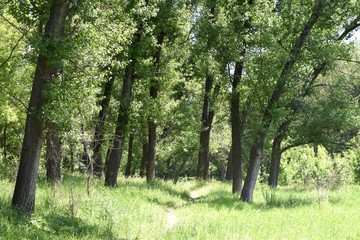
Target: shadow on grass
(223, 199)
(281, 198)
(14, 224)
(157, 184)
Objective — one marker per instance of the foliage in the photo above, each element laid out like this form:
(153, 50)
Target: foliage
(309, 165)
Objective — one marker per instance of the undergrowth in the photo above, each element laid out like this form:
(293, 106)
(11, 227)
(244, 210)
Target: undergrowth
(200, 210)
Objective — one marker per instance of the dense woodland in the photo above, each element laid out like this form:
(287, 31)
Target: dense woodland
(236, 90)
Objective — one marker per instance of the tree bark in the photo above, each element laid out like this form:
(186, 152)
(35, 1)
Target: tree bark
(256, 153)
(236, 131)
(276, 154)
(5, 142)
(25, 187)
(130, 152)
(99, 130)
(143, 159)
(276, 150)
(53, 157)
(203, 171)
(206, 118)
(115, 153)
(229, 170)
(154, 89)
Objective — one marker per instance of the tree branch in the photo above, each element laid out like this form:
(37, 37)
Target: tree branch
(20, 29)
(12, 51)
(349, 28)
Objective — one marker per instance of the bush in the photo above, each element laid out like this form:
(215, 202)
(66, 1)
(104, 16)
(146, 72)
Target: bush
(301, 165)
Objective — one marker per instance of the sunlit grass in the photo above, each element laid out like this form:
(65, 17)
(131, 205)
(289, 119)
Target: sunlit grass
(198, 210)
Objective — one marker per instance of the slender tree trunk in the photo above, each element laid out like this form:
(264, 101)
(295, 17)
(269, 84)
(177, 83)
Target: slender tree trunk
(69, 162)
(229, 170)
(53, 157)
(276, 152)
(5, 141)
(25, 187)
(143, 159)
(99, 130)
(181, 170)
(256, 153)
(115, 153)
(203, 157)
(237, 125)
(236, 130)
(154, 89)
(130, 152)
(206, 118)
(275, 162)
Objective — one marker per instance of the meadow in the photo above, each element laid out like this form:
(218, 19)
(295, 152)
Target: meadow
(83, 208)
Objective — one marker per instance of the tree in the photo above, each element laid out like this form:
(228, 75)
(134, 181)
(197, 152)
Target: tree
(115, 152)
(99, 127)
(257, 148)
(296, 107)
(53, 155)
(47, 67)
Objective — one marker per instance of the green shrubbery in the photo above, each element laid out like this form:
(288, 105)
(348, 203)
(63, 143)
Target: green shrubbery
(306, 165)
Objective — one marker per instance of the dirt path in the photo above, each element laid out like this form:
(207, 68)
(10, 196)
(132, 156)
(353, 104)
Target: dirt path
(172, 219)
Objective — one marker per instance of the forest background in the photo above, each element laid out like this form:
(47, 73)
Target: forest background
(235, 90)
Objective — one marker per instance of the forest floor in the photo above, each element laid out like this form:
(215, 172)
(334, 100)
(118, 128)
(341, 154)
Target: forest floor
(188, 210)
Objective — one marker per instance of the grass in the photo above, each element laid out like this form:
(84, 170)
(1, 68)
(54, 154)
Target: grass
(189, 210)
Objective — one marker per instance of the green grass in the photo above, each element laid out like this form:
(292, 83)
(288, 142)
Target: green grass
(189, 210)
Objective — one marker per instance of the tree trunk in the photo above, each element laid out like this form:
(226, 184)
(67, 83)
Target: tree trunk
(69, 162)
(276, 151)
(53, 157)
(25, 187)
(203, 157)
(5, 142)
(229, 170)
(236, 130)
(275, 162)
(256, 153)
(143, 159)
(129, 160)
(181, 169)
(115, 153)
(151, 157)
(99, 130)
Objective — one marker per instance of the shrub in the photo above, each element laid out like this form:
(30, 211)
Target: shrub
(301, 165)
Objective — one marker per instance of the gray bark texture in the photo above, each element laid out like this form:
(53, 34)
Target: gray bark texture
(257, 148)
(25, 187)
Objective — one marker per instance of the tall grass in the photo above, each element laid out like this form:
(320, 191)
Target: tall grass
(189, 210)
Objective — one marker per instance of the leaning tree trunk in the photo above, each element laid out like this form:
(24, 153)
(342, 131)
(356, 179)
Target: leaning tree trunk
(53, 156)
(154, 89)
(25, 187)
(257, 149)
(99, 130)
